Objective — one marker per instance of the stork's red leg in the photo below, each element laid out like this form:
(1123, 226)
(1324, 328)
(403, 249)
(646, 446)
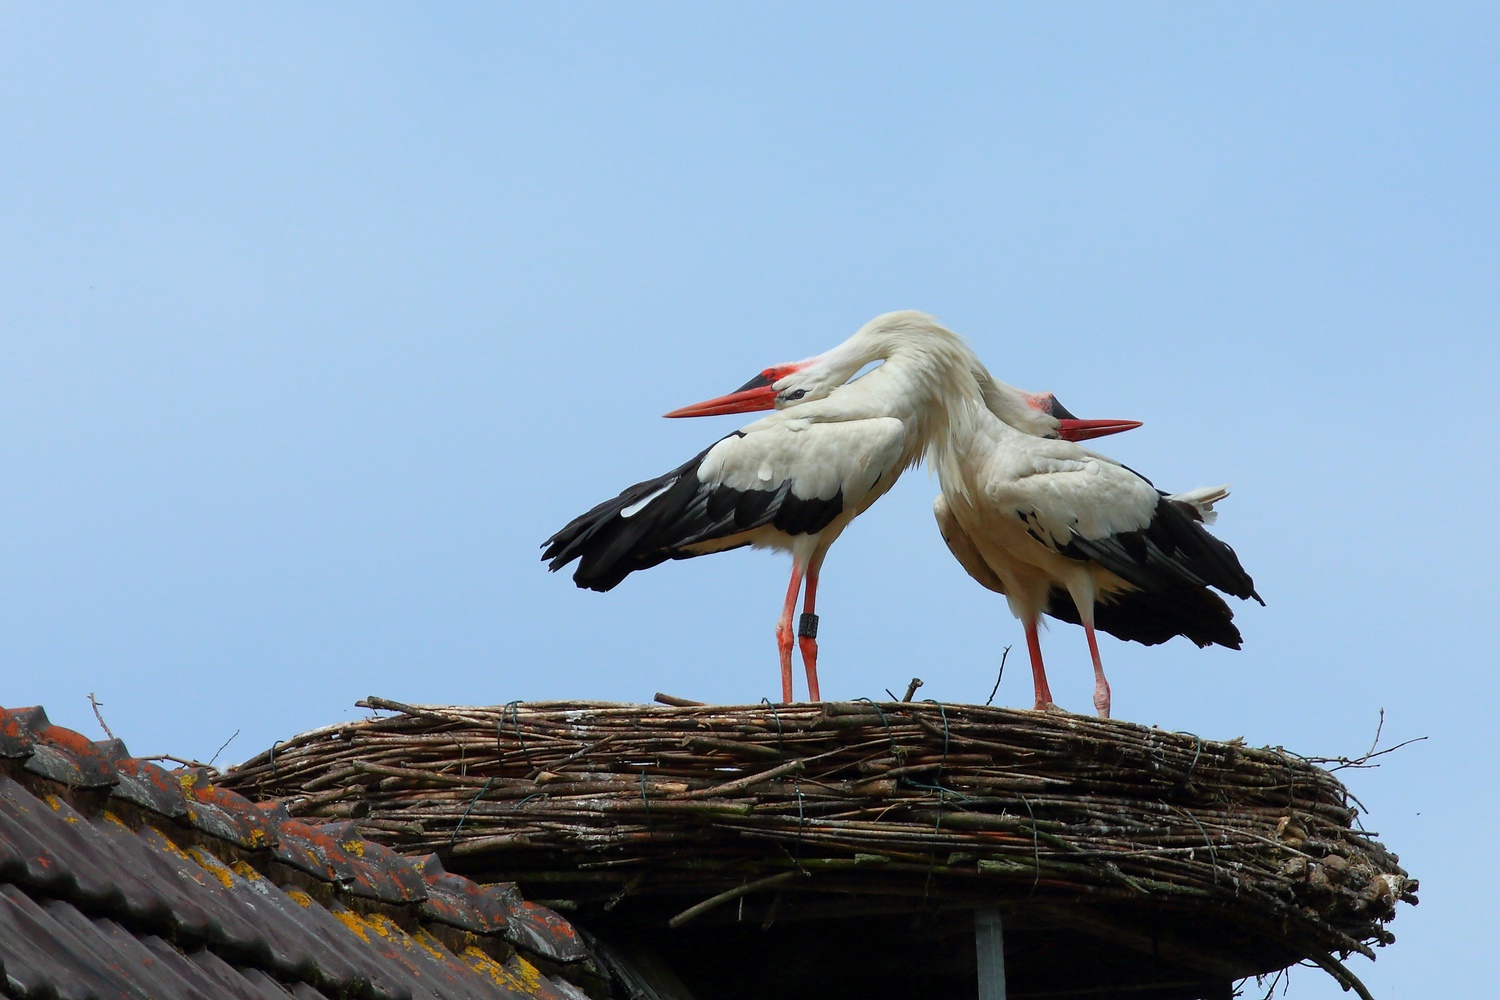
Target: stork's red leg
(1101, 686)
(784, 631)
(807, 632)
(1038, 672)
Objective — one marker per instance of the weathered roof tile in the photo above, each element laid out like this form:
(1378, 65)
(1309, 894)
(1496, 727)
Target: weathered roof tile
(16, 725)
(68, 757)
(144, 783)
(459, 902)
(171, 899)
(544, 931)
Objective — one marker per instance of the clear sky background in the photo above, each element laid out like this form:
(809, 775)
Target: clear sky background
(317, 321)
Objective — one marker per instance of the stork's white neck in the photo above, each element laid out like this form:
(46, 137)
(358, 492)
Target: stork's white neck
(924, 367)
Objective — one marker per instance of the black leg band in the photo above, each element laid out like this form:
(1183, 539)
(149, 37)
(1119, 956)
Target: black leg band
(807, 626)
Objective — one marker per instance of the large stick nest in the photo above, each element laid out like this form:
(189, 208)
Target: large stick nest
(946, 804)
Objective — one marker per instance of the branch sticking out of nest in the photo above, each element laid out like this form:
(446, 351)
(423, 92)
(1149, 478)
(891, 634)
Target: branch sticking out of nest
(1342, 762)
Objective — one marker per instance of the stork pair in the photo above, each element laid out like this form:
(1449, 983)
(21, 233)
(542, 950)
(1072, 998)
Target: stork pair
(1026, 510)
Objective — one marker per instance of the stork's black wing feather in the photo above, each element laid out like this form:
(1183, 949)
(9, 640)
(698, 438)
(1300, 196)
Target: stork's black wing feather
(1153, 617)
(1171, 554)
(661, 518)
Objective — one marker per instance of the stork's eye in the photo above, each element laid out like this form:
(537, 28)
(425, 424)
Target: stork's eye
(791, 396)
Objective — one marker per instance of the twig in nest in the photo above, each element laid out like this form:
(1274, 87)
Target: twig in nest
(990, 700)
(176, 760)
(95, 704)
(730, 896)
(1342, 762)
(911, 689)
(221, 748)
(1271, 988)
(675, 702)
(1379, 727)
(1341, 974)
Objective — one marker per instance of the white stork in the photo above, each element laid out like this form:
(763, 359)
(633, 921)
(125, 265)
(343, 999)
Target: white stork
(1060, 530)
(794, 479)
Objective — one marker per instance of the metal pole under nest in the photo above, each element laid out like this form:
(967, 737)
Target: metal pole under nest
(989, 951)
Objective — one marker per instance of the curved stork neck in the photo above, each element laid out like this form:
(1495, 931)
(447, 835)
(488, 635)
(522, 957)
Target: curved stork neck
(925, 371)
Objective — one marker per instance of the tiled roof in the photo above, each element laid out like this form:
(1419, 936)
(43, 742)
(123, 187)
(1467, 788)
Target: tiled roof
(119, 878)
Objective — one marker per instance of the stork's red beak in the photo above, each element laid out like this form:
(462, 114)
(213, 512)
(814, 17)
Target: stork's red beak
(1072, 429)
(756, 394)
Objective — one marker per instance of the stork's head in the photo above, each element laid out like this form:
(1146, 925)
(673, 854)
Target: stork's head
(1071, 428)
(774, 388)
(1041, 415)
(795, 382)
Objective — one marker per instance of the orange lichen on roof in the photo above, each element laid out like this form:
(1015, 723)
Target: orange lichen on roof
(516, 973)
(352, 920)
(212, 865)
(430, 944)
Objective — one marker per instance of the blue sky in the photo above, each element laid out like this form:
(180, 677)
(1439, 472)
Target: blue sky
(319, 320)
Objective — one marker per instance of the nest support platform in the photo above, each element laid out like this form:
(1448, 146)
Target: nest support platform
(872, 849)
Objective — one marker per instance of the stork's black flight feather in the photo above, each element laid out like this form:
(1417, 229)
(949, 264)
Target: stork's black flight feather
(678, 516)
(1169, 556)
(1153, 617)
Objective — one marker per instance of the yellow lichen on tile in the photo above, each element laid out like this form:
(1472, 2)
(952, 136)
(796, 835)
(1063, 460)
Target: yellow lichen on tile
(498, 974)
(244, 871)
(214, 867)
(301, 898)
(355, 847)
(351, 920)
(386, 928)
(170, 846)
(529, 975)
(432, 945)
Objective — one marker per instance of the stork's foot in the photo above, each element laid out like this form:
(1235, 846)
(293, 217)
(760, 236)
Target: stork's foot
(1049, 706)
(1101, 697)
(1101, 686)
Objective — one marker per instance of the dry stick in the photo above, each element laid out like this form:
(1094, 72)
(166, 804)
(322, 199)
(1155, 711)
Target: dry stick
(675, 702)
(95, 705)
(175, 760)
(996, 688)
(1379, 727)
(1341, 974)
(730, 896)
(1276, 979)
(221, 748)
(1363, 761)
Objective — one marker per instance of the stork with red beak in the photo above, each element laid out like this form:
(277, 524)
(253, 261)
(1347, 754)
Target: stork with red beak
(1063, 531)
(794, 479)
